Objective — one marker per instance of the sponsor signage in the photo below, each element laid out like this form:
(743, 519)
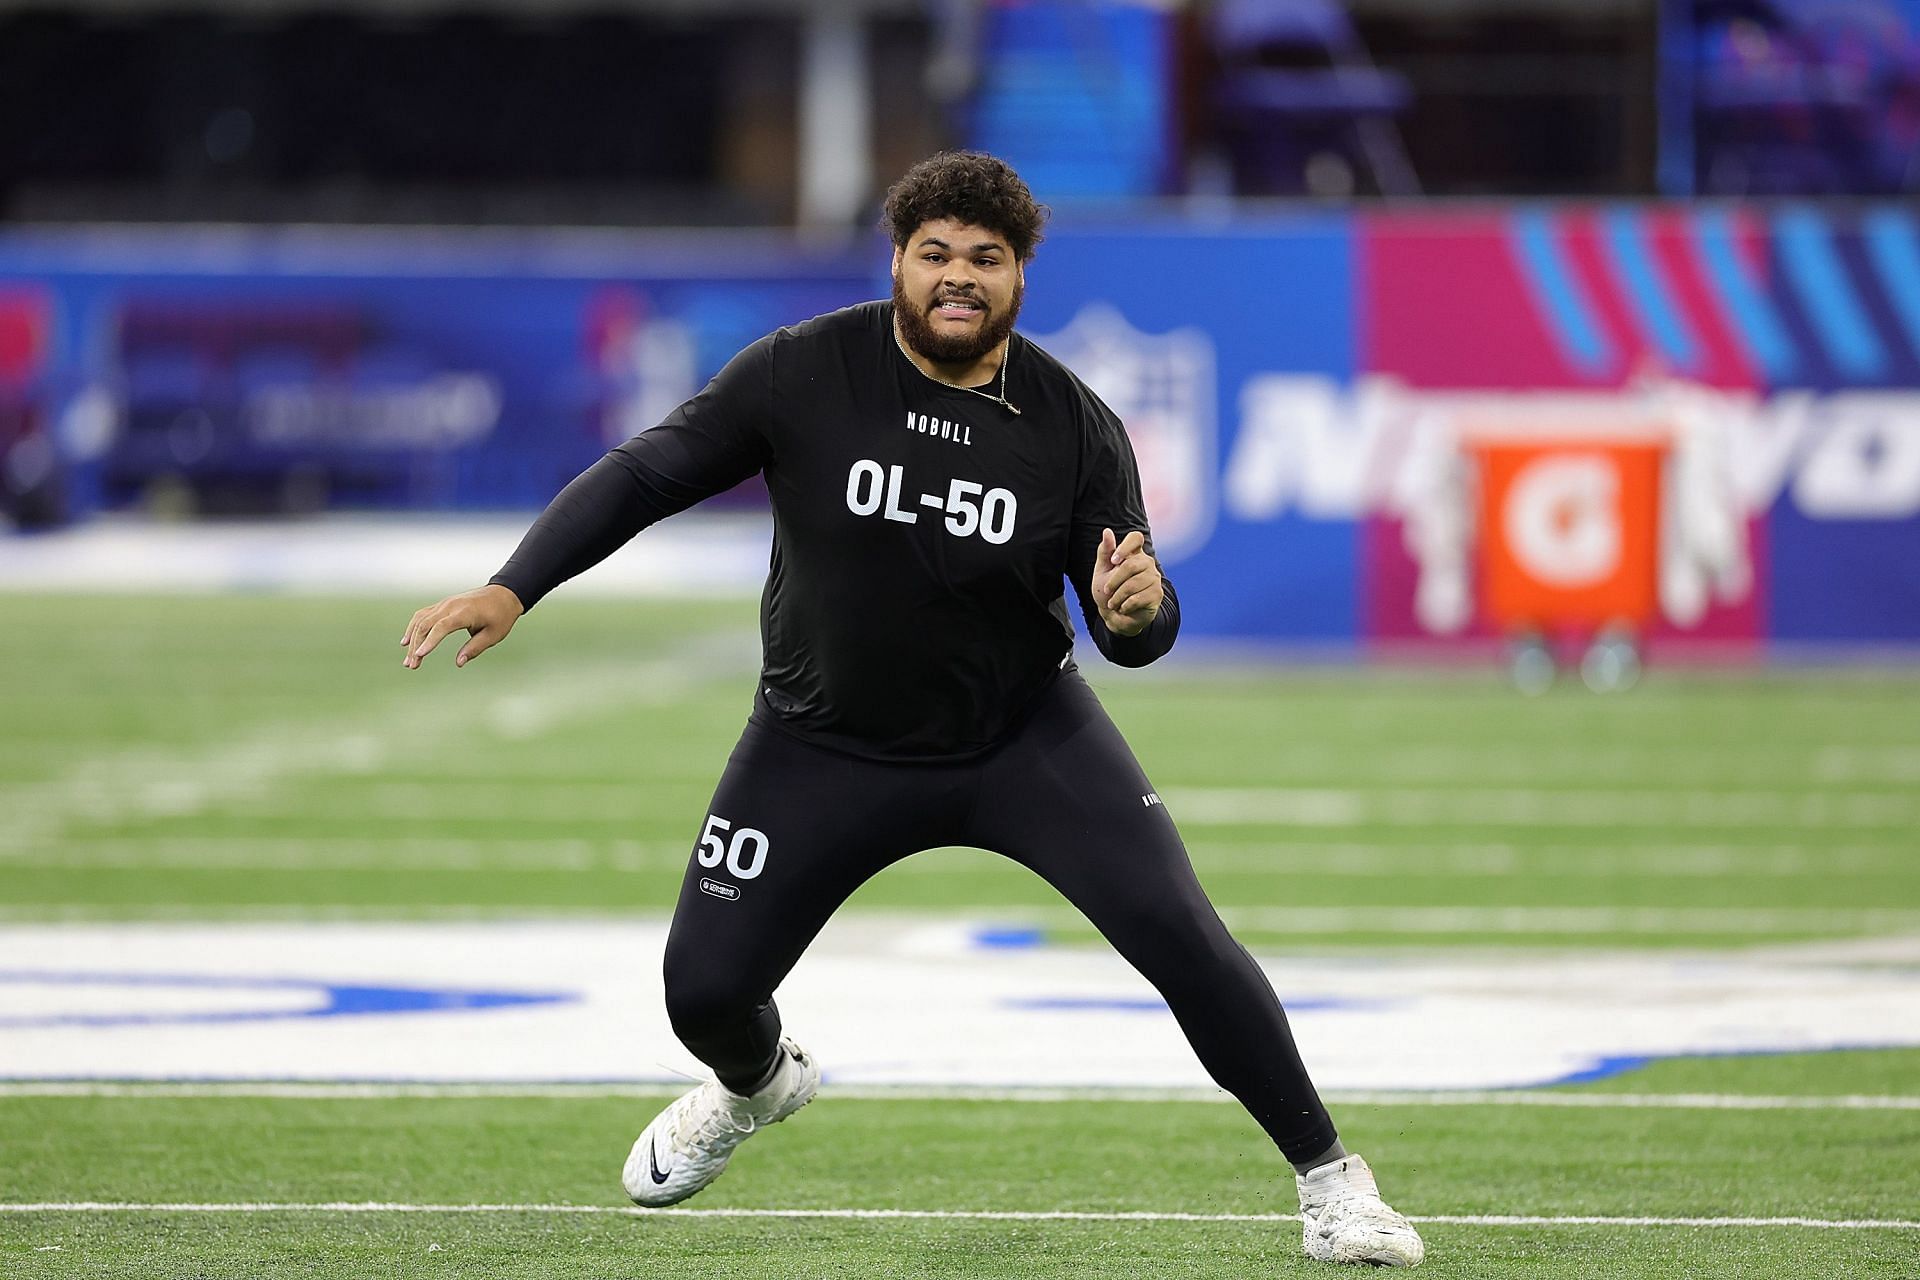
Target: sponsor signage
(1777, 351)
(1302, 390)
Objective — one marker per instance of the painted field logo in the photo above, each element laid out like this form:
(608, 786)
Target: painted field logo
(554, 1001)
(1163, 387)
(719, 889)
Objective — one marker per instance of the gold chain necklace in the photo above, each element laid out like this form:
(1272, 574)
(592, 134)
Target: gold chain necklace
(1006, 358)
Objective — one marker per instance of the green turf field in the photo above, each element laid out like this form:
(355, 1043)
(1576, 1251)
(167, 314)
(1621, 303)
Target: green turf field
(268, 757)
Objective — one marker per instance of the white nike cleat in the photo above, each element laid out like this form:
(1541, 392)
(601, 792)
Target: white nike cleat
(1343, 1218)
(688, 1145)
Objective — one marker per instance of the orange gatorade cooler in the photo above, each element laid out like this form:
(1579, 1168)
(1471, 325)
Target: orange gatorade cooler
(1569, 529)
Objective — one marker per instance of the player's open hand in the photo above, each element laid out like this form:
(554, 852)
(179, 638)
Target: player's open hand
(486, 614)
(1126, 583)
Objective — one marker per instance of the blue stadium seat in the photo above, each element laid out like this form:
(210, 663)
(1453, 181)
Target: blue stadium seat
(1296, 82)
(1804, 97)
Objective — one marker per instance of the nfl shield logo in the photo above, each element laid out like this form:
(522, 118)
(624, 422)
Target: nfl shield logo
(1162, 386)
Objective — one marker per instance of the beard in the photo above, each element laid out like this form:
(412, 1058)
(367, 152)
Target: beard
(958, 348)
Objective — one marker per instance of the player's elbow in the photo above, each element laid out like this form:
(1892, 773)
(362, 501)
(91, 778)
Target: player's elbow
(1124, 657)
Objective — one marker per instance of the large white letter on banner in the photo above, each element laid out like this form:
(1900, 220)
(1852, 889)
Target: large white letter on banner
(1562, 520)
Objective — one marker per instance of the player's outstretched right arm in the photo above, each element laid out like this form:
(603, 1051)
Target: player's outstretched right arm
(486, 614)
(710, 443)
(704, 447)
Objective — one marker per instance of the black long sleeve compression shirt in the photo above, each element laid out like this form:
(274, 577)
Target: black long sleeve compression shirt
(913, 606)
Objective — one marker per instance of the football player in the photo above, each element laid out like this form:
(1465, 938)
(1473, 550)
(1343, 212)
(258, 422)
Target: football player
(934, 479)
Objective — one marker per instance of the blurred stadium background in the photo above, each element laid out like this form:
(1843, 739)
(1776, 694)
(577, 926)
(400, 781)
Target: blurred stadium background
(1528, 396)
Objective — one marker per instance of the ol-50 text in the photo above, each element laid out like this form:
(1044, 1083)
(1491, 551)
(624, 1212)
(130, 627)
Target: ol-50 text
(969, 507)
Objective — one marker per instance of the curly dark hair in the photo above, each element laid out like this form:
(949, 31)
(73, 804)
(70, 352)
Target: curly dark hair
(970, 187)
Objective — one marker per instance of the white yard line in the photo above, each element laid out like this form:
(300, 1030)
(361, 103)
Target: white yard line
(356, 853)
(548, 801)
(1735, 766)
(708, 555)
(157, 782)
(1344, 859)
(1868, 764)
(349, 1090)
(239, 775)
(1728, 764)
(1533, 808)
(964, 1215)
(1371, 922)
(1567, 920)
(1539, 807)
(1679, 861)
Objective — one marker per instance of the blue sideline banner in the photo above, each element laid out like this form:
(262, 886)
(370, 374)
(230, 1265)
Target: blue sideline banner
(1297, 387)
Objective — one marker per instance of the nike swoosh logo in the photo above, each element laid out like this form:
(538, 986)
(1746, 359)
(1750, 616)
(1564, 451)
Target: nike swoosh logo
(653, 1166)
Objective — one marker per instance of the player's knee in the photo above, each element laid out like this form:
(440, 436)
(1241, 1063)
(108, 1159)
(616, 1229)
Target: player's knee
(1176, 941)
(702, 1003)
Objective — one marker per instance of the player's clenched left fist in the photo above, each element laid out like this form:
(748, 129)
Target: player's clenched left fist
(1126, 583)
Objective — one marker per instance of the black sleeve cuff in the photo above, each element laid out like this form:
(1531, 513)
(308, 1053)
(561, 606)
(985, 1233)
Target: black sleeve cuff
(1151, 643)
(521, 591)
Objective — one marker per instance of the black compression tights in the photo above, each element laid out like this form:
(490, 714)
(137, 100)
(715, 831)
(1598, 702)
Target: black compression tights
(1063, 798)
